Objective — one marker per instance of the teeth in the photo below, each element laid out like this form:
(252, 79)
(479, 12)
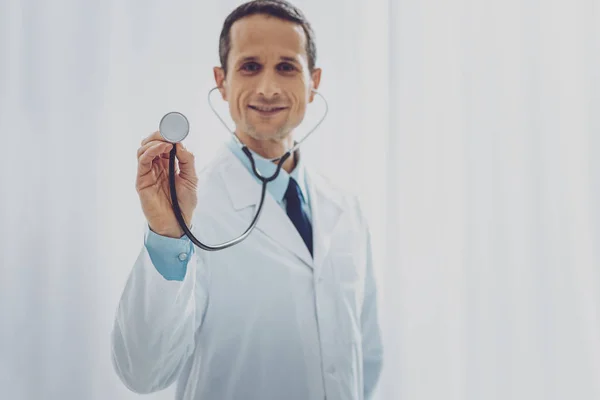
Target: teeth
(266, 109)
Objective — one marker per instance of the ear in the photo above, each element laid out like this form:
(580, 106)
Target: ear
(315, 81)
(220, 81)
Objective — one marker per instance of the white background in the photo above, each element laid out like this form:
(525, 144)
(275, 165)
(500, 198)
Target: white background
(470, 130)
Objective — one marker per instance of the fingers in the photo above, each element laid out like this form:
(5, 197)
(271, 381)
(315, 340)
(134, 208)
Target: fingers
(148, 155)
(186, 161)
(145, 147)
(154, 136)
(154, 145)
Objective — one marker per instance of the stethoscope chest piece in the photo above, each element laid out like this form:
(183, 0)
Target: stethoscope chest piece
(174, 127)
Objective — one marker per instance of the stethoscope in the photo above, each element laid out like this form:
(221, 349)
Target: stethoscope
(174, 127)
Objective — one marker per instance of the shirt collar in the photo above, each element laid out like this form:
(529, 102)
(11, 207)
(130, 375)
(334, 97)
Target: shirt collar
(277, 187)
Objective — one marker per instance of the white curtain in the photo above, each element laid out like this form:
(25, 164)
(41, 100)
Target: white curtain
(470, 130)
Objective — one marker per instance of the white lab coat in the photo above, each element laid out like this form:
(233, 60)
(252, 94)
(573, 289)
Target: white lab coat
(262, 319)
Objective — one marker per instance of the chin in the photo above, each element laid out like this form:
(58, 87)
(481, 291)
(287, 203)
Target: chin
(268, 132)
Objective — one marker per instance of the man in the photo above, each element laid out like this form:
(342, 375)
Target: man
(290, 312)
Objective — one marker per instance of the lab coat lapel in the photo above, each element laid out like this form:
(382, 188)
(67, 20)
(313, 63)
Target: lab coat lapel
(326, 210)
(244, 192)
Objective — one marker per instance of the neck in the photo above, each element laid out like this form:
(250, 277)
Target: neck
(271, 148)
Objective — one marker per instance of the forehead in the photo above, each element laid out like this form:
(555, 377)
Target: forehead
(263, 35)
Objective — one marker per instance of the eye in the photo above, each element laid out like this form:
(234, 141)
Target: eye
(250, 67)
(286, 67)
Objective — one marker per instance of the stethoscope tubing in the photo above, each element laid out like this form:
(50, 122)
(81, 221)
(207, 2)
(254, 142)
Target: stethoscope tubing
(181, 221)
(265, 180)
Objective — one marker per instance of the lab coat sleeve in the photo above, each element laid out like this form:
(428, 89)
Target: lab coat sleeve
(158, 314)
(371, 332)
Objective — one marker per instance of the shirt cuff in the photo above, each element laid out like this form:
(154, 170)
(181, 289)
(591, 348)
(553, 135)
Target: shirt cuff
(169, 256)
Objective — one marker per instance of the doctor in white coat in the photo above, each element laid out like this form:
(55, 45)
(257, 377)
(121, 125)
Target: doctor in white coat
(290, 313)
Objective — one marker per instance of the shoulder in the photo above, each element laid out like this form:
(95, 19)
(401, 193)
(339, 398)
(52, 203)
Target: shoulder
(210, 173)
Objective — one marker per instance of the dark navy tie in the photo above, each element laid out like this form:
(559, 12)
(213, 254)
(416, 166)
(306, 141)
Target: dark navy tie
(293, 197)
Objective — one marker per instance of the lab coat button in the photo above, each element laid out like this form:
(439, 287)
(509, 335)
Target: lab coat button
(183, 257)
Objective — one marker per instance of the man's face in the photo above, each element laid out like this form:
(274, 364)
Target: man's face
(268, 84)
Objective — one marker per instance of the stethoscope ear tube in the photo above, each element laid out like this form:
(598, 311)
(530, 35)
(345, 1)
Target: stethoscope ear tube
(296, 145)
(181, 220)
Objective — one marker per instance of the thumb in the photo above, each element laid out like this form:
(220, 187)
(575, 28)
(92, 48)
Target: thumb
(185, 160)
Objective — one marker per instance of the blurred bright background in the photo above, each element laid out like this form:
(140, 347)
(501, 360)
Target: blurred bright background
(469, 129)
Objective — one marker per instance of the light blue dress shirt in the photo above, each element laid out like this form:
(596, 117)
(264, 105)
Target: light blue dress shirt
(161, 248)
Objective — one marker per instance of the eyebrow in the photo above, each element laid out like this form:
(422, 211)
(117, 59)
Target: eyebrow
(282, 58)
(289, 59)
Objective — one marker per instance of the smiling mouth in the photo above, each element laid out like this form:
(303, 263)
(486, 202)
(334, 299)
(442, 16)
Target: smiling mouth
(263, 110)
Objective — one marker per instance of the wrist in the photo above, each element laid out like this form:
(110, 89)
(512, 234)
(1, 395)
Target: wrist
(171, 233)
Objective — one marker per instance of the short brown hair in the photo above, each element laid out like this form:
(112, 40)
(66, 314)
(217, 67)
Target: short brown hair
(276, 8)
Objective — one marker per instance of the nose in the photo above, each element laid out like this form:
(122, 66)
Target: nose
(268, 86)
